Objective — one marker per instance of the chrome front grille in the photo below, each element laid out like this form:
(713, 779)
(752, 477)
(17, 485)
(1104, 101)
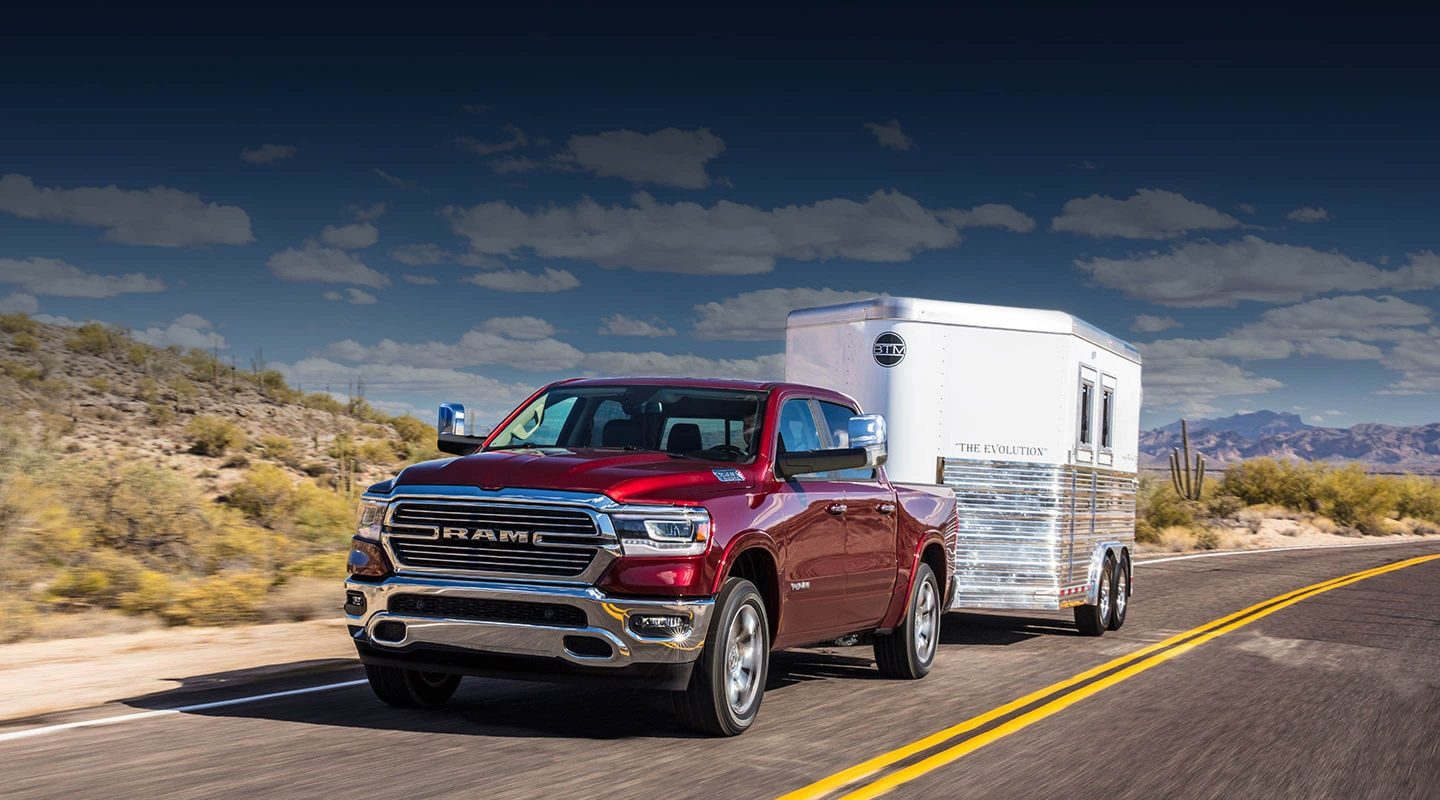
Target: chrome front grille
(489, 537)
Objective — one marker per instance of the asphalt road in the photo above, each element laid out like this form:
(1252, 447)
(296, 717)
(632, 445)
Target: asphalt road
(1336, 694)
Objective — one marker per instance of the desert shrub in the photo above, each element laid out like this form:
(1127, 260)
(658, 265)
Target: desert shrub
(147, 390)
(1418, 498)
(24, 373)
(1265, 481)
(224, 599)
(20, 618)
(212, 436)
(1158, 507)
(99, 385)
(152, 592)
(184, 389)
(266, 494)
(158, 414)
(413, 431)
(269, 496)
(300, 599)
(1351, 496)
(320, 565)
(25, 342)
(18, 323)
(96, 339)
(319, 515)
(320, 401)
(138, 353)
(380, 451)
(280, 448)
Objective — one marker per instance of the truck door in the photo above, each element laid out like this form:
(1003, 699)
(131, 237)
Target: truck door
(870, 545)
(812, 533)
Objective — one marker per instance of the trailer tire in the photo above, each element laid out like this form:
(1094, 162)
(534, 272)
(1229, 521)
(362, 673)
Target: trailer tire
(411, 688)
(1120, 599)
(908, 652)
(1092, 620)
(735, 660)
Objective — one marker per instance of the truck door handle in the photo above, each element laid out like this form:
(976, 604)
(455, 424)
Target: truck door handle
(886, 508)
(837, 508)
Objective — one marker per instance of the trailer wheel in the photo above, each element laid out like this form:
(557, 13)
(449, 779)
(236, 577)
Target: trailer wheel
(909, 651)
(1121, 601)
(411, 688)
(728, 680)
(1093, 619)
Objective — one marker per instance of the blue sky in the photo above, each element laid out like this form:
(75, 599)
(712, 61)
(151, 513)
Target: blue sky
(1254, 204)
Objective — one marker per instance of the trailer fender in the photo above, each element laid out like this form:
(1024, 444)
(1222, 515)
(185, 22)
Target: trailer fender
(1097, 562)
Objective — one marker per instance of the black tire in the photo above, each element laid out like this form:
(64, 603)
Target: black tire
(706, 705)
(903, 653)
(411, 688)
(1092, 620)
(1120, 594)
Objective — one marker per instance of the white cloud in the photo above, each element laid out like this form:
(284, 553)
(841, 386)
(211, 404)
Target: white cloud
(419, 280)
(518, 280)
(1147, 214)
(268, 153)
(1309, 214)
(419, 255)
(350, 237)
(890, 136)
(1192, 384)
(368, 213)
(1194, 274)
(1150, 323)
(516, 138)
(990, 215)
(668, 157)
(159, 216)
(353, 296)
(1246, 208)
(1418, 360)
(186, 331)
(19, 303)
(55, 277)
(770, 367)
(506, 165)
(760, 315)
(519, 327)
(621, 325)
(478, 347)
(398, 183)
(324, 265)
(724, 239)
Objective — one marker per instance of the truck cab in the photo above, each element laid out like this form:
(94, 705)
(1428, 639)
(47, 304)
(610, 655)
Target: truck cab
(657, 531)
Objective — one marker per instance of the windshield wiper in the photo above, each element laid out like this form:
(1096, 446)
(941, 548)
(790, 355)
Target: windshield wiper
(526, 446)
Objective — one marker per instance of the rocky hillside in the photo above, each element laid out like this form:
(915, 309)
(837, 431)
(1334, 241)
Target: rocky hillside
(1226, 441)
(106, 396)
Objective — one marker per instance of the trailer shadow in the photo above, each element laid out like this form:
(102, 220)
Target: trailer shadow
(970, 628)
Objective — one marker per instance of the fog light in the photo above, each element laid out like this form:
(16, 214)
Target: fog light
(660, 625)
(389, 631)
(354, 603)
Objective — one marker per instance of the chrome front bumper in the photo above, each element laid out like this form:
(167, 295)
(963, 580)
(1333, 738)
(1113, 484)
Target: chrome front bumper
(607, 618)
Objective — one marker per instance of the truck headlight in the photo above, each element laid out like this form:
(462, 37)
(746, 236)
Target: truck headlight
(368, 518)
(663, 531)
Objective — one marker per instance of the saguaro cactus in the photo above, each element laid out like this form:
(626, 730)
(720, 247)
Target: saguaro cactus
(1189, 482)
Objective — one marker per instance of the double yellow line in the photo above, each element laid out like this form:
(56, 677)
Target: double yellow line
(1061, 695)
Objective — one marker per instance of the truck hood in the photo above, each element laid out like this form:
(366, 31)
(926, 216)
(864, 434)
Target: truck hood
(624, 476)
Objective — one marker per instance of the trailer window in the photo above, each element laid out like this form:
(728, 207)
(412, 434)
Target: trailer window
(1107, 416)
(1087, 406)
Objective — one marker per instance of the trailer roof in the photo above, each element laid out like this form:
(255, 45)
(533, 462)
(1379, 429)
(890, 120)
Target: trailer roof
(973, 315)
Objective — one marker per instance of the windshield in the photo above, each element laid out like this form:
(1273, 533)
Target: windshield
(713, 424)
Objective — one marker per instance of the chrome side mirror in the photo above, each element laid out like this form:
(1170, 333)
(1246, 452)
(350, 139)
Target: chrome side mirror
(452, 419)
(868, 431)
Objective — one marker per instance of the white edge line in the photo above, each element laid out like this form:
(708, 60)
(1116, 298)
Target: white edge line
(1140, 561)
(165, 712)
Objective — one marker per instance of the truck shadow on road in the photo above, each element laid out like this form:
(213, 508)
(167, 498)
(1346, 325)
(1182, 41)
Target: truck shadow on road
(967, 628)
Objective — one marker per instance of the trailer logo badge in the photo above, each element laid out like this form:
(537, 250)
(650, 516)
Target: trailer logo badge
(889, 349)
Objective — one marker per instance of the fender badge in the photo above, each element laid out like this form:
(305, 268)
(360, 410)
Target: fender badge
(728, 475)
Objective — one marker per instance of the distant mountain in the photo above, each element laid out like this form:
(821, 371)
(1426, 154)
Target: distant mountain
(1414, 448)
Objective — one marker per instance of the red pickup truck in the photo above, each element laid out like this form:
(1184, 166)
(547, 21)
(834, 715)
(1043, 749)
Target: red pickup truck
(660, 531)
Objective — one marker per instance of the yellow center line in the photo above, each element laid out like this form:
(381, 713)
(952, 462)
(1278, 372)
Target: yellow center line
(1201, 634)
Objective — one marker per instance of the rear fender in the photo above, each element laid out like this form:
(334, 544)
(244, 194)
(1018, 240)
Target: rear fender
(1097, 563)
(905, 582)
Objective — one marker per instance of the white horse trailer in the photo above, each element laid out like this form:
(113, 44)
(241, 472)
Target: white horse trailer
(1031, 416)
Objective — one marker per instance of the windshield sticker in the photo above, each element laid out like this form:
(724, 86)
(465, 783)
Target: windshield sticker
(728, 475)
